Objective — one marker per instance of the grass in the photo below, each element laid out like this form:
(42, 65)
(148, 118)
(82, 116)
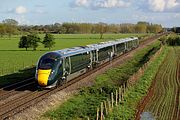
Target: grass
(85, 103)
(14, 58)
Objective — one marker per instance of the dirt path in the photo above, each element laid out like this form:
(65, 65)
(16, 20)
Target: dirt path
(162, 101)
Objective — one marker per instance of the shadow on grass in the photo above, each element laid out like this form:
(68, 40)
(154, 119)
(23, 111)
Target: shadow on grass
(10, 79)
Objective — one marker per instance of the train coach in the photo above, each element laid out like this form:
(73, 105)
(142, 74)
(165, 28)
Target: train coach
(56, 67)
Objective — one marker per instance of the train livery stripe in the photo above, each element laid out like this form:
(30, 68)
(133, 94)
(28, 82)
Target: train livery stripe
(43, 76)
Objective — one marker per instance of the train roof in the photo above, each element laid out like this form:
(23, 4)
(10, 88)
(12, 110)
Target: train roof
(110, 43)
(82, 49)
(73, 51)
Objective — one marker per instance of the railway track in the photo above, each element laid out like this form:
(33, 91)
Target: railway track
(15, 85)
(20, 103)
(16, 88)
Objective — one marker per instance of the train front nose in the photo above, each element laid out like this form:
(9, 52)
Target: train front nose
(43, 76)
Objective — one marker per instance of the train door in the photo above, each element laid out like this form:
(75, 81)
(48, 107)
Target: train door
(94, 57)
(113, 51)
(126, 45)
(67, 66)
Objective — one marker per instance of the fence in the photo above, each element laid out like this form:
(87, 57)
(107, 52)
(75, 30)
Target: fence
(117, 97)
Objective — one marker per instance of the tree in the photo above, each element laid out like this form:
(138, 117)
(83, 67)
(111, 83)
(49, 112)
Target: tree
(10, 30)
(10, 26)
(2, 30)
(10, 22)
(24, 43)
(33, 40)
(48, 41)
(62, 30)
(141, 28)
(101, 28)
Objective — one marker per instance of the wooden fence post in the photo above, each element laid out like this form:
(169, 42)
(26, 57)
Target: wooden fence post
(124, 88)
(109, 105)
(120, 94)
(97, 114)
(105, 106)
(122, 97)
(101, 111)
(101, 90)
(112, 99)
(116, 97)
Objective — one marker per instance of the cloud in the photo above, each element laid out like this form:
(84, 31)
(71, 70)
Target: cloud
(164, 5)
(156, 5)
(20, 10)
(97, 4)
(82, 2)
(112, 4)
(145, 5)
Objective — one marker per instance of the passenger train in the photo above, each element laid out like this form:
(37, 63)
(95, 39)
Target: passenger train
(56, 67)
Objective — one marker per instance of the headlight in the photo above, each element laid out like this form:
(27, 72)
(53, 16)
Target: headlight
(36, 74)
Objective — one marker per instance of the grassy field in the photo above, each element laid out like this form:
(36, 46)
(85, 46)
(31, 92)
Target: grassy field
(13, 58)
(165, 104)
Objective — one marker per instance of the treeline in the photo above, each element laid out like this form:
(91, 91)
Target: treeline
(89, 28)
(11, 27)
(172, 40)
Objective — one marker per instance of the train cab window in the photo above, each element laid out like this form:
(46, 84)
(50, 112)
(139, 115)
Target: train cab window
(49, 61)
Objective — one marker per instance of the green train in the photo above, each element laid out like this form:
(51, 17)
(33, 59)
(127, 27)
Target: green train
(56, 67)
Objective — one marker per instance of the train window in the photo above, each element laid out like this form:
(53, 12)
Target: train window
(120, 47)
(79, 61)
(104, 53)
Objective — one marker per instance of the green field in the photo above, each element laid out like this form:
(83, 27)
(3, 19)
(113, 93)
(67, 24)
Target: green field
(13, 58)
(164, 103)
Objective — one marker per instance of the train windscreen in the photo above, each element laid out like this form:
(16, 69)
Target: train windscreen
(49, 61)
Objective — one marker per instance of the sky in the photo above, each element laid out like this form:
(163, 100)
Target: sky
(41, 12)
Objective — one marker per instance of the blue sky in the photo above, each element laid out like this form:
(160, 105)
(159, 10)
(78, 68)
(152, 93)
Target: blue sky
(31, 12)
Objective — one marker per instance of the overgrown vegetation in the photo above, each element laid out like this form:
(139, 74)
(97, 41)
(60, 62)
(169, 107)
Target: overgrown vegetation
(171, 40)
(133, 95)
(85, 103)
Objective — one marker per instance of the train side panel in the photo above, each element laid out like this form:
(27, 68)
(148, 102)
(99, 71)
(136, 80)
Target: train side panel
(77, 65)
